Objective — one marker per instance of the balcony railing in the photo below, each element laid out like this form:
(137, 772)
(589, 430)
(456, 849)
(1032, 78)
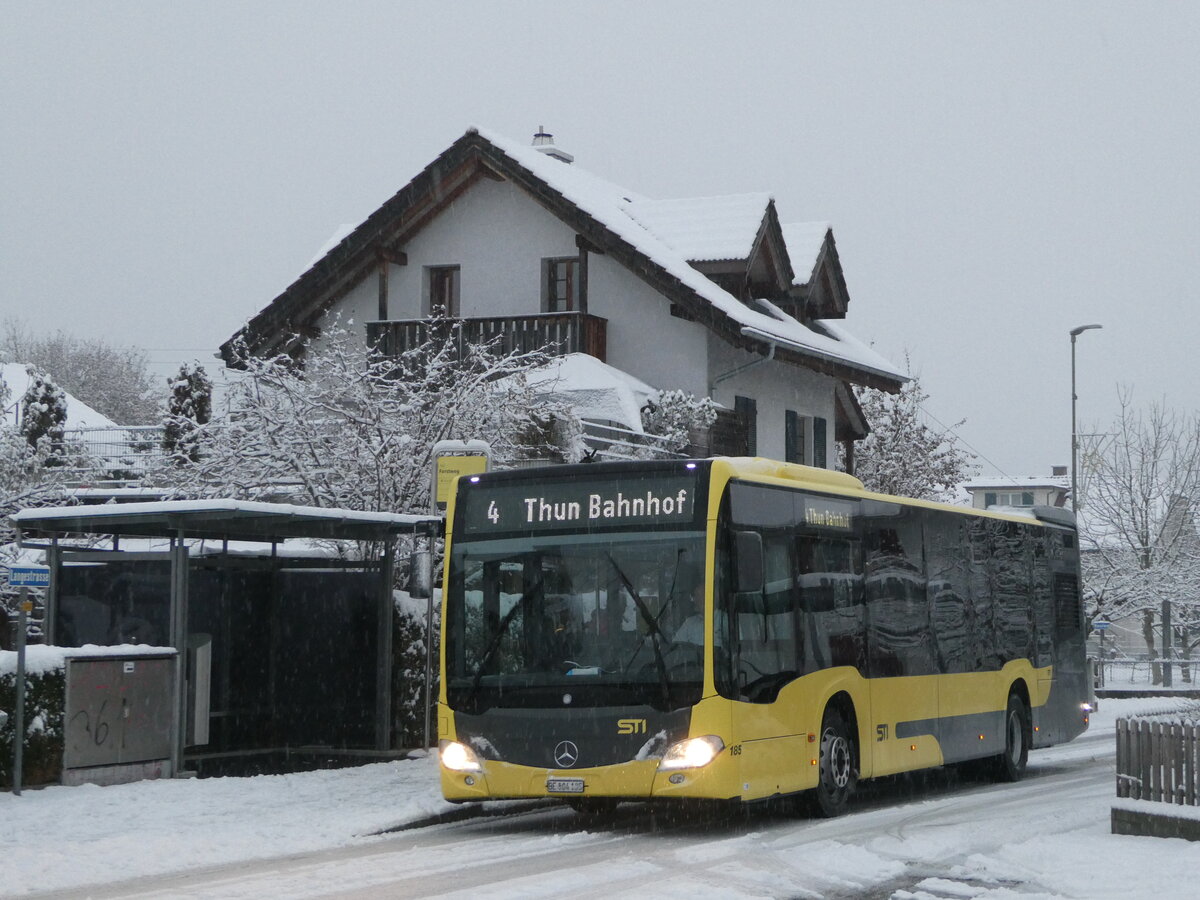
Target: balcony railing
(554, 333)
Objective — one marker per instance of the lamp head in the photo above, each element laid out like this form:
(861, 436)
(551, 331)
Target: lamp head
(1083, 328)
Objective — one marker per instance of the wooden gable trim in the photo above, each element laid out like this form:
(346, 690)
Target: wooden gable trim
(824, 295)
(384, 231)
(769, 245)
(851, 422)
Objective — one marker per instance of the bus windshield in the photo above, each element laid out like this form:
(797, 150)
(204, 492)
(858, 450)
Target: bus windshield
(576, 620)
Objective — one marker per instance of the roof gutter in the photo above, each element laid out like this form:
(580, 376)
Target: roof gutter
(774, 340)
(725, 376)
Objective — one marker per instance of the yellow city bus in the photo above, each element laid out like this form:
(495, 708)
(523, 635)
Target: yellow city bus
(740, 629)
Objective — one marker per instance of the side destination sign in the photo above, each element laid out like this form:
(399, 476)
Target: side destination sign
(579, 504)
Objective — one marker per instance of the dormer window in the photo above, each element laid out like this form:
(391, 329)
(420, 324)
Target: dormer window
(560, 284)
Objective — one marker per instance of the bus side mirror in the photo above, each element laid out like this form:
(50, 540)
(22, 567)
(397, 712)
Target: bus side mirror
(420, 575)
(748, 572)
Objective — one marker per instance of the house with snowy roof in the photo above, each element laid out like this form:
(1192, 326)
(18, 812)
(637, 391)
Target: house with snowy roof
(713, 296)
(1022, 492)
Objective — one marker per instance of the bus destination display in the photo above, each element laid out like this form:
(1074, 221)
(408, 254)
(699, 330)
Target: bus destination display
(579, 504)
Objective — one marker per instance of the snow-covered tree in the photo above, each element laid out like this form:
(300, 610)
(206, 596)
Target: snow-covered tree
(904, 454)
(115, 381)
(354, 430)
(25, 481)
(43, 411)
(675, 416)
(1139, 501)
(188, 408)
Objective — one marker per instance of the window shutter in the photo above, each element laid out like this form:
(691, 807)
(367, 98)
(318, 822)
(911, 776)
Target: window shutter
(793, 439)
(747, 410)
(819, 459)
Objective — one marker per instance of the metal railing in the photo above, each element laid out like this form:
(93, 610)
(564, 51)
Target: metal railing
(1158, 760)
(112, 454)
(553, 333)
(614, 442)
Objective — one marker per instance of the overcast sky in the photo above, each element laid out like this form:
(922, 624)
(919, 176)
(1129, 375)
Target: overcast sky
(995, 174)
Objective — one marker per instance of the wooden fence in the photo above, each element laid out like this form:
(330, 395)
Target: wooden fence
(1158, 760)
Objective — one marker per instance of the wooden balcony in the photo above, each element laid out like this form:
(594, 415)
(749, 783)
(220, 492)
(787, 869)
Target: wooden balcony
(554, 333)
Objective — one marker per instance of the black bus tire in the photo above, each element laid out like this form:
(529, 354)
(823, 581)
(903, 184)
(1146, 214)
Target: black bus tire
(1018, 733)
(838, 773)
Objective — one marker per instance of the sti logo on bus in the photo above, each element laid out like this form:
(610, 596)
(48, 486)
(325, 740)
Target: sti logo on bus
(631, 726)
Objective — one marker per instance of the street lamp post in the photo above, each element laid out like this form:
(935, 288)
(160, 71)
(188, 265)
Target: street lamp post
(1075, 332)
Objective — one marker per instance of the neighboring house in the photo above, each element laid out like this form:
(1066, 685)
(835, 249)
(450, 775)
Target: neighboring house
(1026, 491)
(79, 414)
(712, 296)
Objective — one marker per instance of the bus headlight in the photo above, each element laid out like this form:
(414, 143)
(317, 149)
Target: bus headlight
(692, 753)
(458, 757)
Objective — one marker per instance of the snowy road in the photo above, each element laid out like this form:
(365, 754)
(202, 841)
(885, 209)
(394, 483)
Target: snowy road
(1047, 837)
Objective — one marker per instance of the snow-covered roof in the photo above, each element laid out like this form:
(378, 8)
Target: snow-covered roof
(595, 390)
(1001, 482)
(217, 519)
(704, 228)
(613, 208)
(339, 234)
(79, 414)
(804, 241)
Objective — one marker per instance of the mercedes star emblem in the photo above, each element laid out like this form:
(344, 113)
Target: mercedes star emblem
(566, 754)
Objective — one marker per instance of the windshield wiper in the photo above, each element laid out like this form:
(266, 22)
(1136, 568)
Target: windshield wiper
(501, 629)
(655, 631)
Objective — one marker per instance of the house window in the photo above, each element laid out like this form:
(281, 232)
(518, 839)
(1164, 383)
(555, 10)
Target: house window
(1008, 498)
(796, 448)
(443, 289)
(560, 284)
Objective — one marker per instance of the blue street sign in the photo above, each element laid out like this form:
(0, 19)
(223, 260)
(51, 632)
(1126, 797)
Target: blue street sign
(29, 576)
(1101, 625)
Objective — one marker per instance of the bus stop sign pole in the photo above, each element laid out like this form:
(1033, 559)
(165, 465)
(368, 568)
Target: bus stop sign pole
(19, 713)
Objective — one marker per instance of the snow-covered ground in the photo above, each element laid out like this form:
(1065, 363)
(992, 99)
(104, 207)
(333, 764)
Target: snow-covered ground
(64, 837)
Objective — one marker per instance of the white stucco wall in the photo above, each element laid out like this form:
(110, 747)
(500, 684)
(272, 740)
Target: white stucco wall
(777, 387)
(644, 339)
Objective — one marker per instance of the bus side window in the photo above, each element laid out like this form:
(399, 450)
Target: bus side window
(899, 641)
(768, 651)
(829, 574)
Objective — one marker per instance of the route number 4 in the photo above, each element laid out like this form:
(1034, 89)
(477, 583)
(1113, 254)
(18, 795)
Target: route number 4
(493, 514)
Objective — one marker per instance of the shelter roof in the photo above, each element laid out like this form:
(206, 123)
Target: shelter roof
(234, 520)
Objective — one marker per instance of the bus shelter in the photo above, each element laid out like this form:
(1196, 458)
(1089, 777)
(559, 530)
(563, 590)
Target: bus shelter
(286, 643)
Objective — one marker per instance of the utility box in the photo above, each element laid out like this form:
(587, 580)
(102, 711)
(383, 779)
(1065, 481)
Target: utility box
(118, 718)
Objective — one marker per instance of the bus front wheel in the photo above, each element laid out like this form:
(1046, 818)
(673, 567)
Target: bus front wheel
(1010, 765)
(838, 766)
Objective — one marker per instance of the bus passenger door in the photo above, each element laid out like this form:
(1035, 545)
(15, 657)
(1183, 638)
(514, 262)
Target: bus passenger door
(901, 660)
(767, 660)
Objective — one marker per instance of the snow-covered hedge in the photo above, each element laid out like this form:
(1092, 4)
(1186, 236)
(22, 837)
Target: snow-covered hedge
(45, 679)
(45, 699)
(408, 668)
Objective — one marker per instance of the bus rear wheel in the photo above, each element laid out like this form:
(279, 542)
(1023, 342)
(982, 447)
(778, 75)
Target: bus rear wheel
(1010, 765)
(838, 766)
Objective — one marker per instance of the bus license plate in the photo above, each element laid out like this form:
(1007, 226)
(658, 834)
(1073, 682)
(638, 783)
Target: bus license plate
(564, 785)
